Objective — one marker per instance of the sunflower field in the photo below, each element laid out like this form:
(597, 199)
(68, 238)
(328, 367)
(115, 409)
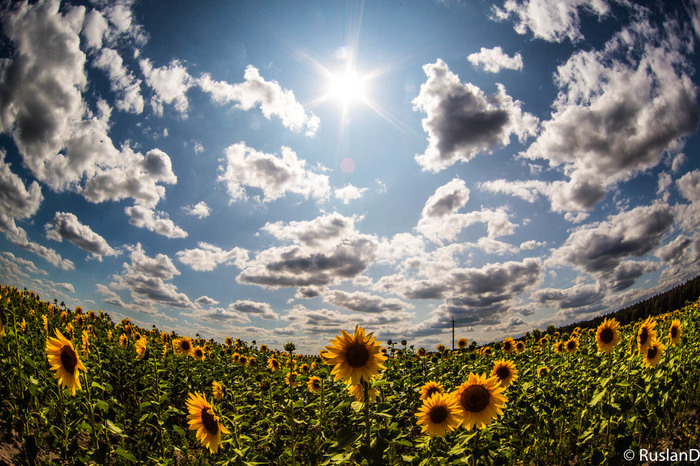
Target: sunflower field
(79, 388)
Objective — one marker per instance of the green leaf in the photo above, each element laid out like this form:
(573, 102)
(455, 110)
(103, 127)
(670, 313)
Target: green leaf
(102, 405)
(125, 454)
(113, 427)
(596, 399)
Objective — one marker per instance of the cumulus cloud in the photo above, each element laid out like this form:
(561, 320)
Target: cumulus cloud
(206, 301)
(462, 122)
(527, 190)
(206, 257)
(269, 95)
(360, 301)
(619, 111)
(127, 87)
(348, 193)
(275, 176)
(170, 84)
(327, 251)
(599, 249)
(145, 278)
(326, 321)
(577, 296)
(66, 226)
(200, 209)
(493, 60)
(441, 221)
(157, 222)
(551, 20)
(257, 309)
(689, 185)
(63, 142)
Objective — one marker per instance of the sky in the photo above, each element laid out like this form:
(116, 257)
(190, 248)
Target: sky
(280, 171)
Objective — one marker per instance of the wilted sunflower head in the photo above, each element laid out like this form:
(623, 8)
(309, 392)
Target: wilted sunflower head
(421, 352)
(203, 419)
(608, 336)
(653, 353)
(355, 357)
(65, 361)
(359, 394)
(480, 400)
(439, 415)
(314, 384)
(429, 389)
(674, 332)
(646, 333)
(505, 372)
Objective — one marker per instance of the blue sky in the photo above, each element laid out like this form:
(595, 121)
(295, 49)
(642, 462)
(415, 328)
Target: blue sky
(281, 171)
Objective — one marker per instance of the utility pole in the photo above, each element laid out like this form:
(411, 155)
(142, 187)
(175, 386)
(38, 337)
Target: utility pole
(453, 334)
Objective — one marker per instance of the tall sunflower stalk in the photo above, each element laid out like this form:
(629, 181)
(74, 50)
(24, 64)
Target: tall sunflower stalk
(289, 347)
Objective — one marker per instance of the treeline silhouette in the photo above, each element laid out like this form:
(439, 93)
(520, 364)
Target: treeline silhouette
(669, 300)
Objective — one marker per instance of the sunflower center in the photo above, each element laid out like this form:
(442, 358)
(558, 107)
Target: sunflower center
(607, 335)
(643, 336)
(68, 359)
(651, 353)
(316, 383)
(357, 355)
(502, 372)
(438, 414)
(431, 391)
(506, 346)
(209, 421)
(475, 398)
(674, 332)
(571, 345)
(185, 345)
(198, 353)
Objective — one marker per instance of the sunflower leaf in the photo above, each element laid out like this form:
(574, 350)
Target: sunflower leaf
(125, 454)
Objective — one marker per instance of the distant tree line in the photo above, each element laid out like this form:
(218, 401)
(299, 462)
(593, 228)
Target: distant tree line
(669, 300)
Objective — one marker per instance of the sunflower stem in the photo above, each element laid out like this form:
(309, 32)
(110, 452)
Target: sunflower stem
(368, 424)
(91, 411)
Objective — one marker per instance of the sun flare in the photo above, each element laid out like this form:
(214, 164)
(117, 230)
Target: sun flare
(346, 87)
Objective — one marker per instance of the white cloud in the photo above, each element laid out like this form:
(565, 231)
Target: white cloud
(462, 122)
(551, 20)
(66, 226)
(206, 257)
(274, 176)
(200, 209)
(157, 222)
(127, 87)
(440, 221)
(360, 301)
(261, 310)
(526, 190)
(349, 193)
(206, 301)
(689, 185)
(492, 60)
(170, 84)
(94, 29)
(272, 98)
(322, 232)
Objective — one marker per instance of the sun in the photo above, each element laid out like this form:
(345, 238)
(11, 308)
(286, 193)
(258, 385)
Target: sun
(346, 87)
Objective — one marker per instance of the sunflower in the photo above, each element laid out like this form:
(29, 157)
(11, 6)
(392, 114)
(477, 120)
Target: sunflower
(542, 371)
(183, 346)
(45, 322)
(217, 390)
(653, 353)
(421, 352)
(263, 348)
(85, 339)
(462, 343)
(79, 320)
(205, 422)
(480, 400)
(198, 353)
(164, 337)
(243, 360)
(559, 347)
(439, 415)
(314, 384)
(608, 336)
(486, 351)
(65, 361)
(441, 348)
(109, 335)
(291, 379)
(273, 364)
(505, 372)
(123, 341)
(304, 368)
(520, 346)
(228, 342)
(508, 345)
(543, 342)
(674, 333)
(571, 345)
(355, 357)
(356, 391)
(429, 389)
(252, 362)
(141, 348)
(646, 334)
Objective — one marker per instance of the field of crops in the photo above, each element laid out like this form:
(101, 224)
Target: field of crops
(79, 388)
